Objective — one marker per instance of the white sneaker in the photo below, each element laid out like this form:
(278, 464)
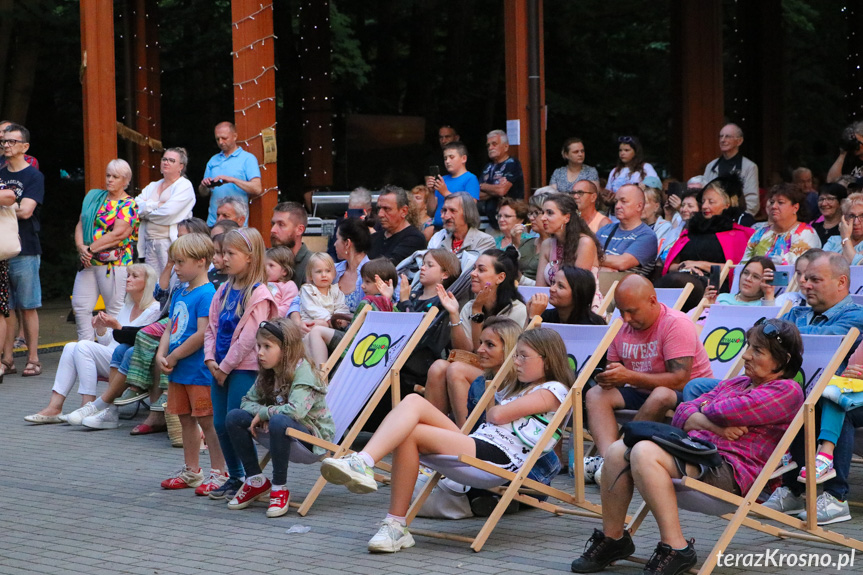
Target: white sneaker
(784, 501)
(829, 510)
(108, 418)
(77, 416)
(350, 471)
(591, 464)
(391, 537)
(597, 475)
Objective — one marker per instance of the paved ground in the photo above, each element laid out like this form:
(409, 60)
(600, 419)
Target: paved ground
(89, 502)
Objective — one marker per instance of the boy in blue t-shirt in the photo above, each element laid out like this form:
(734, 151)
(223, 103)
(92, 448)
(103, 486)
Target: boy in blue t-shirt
(181, 357)
(458, 179)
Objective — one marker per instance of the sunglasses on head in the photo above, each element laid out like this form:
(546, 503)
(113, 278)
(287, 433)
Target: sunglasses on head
(626, 140)
(770, 331)
(273, 329)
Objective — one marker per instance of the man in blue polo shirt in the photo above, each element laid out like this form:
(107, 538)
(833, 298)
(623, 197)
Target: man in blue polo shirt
(458, 179)
(231, 172)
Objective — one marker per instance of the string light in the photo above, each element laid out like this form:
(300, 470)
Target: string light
(256, 78)
(258, 135)
(252, 15)
(252, 45)
(258, 104)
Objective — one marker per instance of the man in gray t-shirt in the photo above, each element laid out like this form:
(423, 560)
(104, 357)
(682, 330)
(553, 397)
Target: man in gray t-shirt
(629, 244)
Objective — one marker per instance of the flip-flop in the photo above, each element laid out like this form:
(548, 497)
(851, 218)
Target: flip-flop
(32, 369)
(42, 419)
(144, 429)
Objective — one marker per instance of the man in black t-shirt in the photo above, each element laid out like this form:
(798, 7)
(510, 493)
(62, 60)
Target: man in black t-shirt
(25, 290)
(501, 177)
(397, 239)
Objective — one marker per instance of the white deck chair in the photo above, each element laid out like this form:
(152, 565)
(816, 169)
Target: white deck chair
(789, 268)
(378, 344)
(856, 280)
(527, 291)
(822, 357)
(586, 346)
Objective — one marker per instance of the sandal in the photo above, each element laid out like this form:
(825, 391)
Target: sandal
(9, 367)
(144, 429)
(32, 369)
(823, 470)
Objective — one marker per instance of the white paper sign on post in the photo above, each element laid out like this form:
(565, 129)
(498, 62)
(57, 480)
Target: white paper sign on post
(513, 132)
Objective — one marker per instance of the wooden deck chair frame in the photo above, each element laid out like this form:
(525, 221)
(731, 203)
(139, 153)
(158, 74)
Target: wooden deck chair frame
(389, 383)
(747, 504)
(607, 299)
(695, 313)
(572, 402)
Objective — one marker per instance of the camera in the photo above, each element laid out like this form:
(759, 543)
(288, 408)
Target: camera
(849, 141)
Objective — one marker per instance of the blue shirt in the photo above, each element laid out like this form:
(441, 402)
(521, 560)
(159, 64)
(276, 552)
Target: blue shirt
(837, 320)
(229, 318)
(466, 182)
(834, 244)
(186, 308)
(241, 165)
(640, 242)
(30, 183)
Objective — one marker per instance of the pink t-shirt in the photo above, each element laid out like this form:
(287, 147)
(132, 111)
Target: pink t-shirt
(670, 337)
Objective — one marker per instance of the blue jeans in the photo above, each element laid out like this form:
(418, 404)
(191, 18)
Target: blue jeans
(833, 409)
(122, 357)
(238, 422)
(225, 398)
(838, 486)
(698, 387)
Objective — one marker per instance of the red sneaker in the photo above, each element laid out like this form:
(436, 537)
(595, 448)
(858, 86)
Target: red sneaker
(248, 493)
(185, 477)
(216, 479)
(279, 501)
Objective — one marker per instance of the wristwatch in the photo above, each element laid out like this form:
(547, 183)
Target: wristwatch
(477, 317)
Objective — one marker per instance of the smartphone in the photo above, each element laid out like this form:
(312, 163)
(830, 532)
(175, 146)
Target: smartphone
(780, 279)
(715, 272)
(434, 171)
(675, 189)
(356, 213)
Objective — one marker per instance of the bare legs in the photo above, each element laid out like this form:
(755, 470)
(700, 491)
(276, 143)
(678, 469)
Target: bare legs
(601, 404)
(316, 342)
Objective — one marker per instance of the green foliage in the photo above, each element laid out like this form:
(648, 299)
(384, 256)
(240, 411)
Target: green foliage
(348, 64)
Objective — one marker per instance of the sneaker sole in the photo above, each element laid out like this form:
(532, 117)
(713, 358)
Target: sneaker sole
(132, 399)
(405, 542)
(102, 426)
(604, 565)
(262, 497)
(338, 476)
(279, 511)
(177, 488)
(839, 519)
(826, 477)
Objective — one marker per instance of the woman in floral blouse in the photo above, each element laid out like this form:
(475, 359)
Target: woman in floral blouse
(787, 237)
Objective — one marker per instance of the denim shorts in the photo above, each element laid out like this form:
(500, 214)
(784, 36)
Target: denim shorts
(25, 289)
(121, 357)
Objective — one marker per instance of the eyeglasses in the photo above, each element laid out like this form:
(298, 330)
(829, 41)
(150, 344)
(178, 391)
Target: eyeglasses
(826, 198)
(170, 160)
(579, 194)
(626, 140)
(273, 329)
(769, 329)
(523, 358)
(9, 142)
(534, 214)
(853, 218)
(504, 217)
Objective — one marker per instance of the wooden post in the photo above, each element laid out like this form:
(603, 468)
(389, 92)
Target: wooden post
(99, 91)
(147, 89)
(255, 96)
(516, 37)
(696, 52)
(316, 92)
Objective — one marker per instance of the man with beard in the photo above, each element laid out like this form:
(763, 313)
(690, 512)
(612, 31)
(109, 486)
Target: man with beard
(289, 224)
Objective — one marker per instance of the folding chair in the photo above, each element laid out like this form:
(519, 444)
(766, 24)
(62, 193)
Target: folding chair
(378, 344)
(856, 279)
(823, 356)
(586, 346)
(527, 291)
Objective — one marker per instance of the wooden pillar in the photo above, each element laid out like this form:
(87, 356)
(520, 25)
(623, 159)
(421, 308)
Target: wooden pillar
(255, 96)
(696, 52)
(316, 94)
(99, 91)
(762, 68)
(148, 109)
(516, 48)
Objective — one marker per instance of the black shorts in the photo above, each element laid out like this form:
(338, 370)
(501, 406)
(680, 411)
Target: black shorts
(634, 397)
(490, 452)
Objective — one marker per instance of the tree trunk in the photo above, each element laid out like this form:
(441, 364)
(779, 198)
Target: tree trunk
(23, 73)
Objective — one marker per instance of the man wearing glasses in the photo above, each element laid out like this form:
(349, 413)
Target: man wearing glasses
(25, 290)
(585, 194)
(29, 159)
(731, 161)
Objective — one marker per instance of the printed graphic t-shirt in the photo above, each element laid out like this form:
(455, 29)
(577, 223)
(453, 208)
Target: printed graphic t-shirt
(186, 308)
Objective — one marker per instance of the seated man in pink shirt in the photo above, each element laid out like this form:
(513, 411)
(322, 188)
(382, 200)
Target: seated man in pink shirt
(653, 356)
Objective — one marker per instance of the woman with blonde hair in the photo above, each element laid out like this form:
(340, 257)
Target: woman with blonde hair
(418, 216)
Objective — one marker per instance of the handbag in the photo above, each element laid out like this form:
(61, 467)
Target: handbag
(10, 242)
(529, 429)
(448, 499)
(675, 441)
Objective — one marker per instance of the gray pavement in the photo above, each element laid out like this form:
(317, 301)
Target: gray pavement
(89, 502)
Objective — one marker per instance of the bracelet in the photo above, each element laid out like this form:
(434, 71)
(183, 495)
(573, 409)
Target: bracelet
(845, 240)
(461, 321)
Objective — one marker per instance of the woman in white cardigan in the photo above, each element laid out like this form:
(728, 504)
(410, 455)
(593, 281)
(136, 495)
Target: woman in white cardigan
(161, 206)
(86, 361)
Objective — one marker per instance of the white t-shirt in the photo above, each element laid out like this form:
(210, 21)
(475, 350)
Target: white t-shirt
(502, 436)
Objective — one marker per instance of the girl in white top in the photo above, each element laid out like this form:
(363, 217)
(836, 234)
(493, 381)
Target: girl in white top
(162, 205)
(631, 167)
(86, 361)
(320, 297)
(417, 427)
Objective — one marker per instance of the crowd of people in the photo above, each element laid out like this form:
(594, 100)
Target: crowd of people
(229, 336)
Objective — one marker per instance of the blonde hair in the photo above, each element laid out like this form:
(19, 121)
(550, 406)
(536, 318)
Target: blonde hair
(853, 198)
(192, 246)
(246, 241)
(549, 345)
(417, 214)
(149, 284)
(277, 381)
(121, 169)
(508, 331)
(320, 257)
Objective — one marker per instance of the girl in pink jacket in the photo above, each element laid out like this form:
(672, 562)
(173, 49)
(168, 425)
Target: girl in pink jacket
(238, 308)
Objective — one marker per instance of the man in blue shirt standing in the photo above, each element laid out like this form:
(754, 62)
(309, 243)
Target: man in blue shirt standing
(231, 172)
(458, 179)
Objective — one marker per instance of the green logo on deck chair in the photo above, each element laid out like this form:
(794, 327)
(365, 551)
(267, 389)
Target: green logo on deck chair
(724, 344)
(573, 364)
(372, 349)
